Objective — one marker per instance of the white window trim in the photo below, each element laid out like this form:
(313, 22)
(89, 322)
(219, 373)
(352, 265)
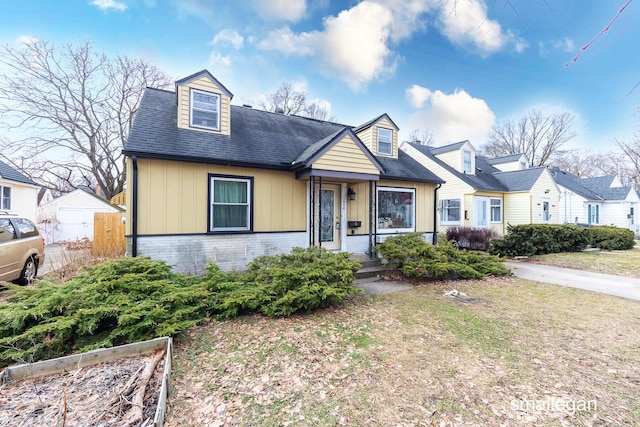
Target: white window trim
(443, 222)
(413, 213)
(191, 108)
(213, 179)
(491, 209)
(2, 207)
(390, 142)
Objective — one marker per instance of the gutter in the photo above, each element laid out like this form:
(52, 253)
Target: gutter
(435, 214)
(134, 209)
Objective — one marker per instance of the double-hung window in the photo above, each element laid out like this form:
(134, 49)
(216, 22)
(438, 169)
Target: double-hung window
(396, 210)
(450, 211)
(385, 141)
(205, 110)
(230, 200)
(496, 210)
(5, 198)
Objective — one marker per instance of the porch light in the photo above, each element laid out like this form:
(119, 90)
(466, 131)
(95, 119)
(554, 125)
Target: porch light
(351, 193)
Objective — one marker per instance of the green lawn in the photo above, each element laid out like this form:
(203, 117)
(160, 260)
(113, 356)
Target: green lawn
(511, 353)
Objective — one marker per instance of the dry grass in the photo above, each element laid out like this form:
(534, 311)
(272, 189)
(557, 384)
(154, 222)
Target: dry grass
(420, 358)
(622, 263)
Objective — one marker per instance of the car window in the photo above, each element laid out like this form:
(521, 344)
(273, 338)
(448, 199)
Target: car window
(26, 227)
(7, 232)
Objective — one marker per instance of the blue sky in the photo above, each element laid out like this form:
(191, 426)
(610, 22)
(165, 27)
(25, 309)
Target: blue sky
(453, 67)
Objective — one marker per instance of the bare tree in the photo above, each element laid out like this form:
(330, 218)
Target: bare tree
(536, 135)
(288, 101)
(70, 111)
(630, 168)
(421, 136)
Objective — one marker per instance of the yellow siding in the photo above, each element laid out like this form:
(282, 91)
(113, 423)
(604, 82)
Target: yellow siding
(517, 208)
(369, 137)
(346, 156)
(538, 193)
(358, 209)
(205, 84)
(173, 197)
(455, 158)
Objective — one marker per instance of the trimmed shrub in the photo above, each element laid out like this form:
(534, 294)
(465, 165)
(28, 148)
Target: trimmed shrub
(134, 299)
(612, 238)
(471, 237)
(537, 239)
(413, 257)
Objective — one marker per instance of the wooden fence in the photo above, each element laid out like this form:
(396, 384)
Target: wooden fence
(108, 234)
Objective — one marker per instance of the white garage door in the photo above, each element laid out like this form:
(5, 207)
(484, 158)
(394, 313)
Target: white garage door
(76, 223)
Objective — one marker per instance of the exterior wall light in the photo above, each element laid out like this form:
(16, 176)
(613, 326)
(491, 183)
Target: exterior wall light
(351, 193)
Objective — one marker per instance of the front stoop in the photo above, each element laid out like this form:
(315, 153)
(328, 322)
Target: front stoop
(371, 267)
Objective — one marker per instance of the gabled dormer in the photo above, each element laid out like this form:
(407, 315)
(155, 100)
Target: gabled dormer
(203, 104)
(510, 163)
(380, 136)
(461, 156)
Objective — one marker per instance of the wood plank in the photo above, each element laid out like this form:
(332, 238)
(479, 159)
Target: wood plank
(76, 361)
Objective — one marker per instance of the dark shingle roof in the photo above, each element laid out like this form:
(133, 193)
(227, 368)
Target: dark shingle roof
(9, 173)
(504, 159)
(447, 148)
(573, 183)
(483, 179)
(372, 121)
(258, 139)
(602, 186)
(520, 180)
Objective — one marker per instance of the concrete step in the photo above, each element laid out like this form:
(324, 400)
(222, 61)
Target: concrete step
(368, 272)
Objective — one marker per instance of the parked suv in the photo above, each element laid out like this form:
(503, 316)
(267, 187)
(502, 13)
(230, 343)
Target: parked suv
(21, 249)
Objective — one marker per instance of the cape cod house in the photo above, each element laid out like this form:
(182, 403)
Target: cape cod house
(487, 193)
(208, 180)
(18, 193)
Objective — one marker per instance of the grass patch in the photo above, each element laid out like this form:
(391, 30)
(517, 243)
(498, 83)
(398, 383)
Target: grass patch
(418, 358)
(621, 263)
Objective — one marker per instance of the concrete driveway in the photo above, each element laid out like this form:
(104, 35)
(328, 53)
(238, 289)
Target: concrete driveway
(57, 256)
(620, 286)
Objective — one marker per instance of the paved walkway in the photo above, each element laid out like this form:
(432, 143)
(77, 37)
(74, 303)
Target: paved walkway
(375, 285)
(625, 287)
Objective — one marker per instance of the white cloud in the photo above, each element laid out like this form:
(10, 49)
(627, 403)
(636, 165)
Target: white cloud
(352, 46)
(452, 117)
(109, 4)
(418, 95)
(466, 24)
(217, 62)
(228, 36)
(565, 45)
(25, 39)
(281, 10)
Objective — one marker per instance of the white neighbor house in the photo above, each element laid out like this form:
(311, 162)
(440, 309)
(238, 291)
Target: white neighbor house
(597, 201)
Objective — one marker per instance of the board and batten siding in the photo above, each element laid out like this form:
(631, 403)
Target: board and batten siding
(346, 156)
(205, 84)
(173, 197)
(424, 201)
(369, 137)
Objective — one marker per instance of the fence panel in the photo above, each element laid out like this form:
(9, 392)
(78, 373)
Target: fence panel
(108, 234)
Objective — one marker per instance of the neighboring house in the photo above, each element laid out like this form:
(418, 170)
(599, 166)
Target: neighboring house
(207, 180)
(597, 201)
(477, 193)
(70, 217)
(18, 194)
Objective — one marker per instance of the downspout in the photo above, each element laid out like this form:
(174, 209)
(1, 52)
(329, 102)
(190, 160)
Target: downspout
(435, 214)
(134, 209)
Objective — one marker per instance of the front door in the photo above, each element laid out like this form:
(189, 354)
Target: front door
(481, 211)
(329, 217)
(546, 214)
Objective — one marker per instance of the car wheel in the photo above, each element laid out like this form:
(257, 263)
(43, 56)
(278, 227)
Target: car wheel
(29, 272)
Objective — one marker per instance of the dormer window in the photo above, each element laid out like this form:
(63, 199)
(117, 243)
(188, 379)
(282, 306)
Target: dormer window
(385, 141)
(467, 161)
(205, 110)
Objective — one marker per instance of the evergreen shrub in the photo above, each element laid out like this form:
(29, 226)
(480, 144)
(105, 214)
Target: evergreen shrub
(612, 238)
(538, 239)
(413, 257)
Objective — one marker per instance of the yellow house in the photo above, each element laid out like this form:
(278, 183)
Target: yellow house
(208, 180)
(488, 193)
